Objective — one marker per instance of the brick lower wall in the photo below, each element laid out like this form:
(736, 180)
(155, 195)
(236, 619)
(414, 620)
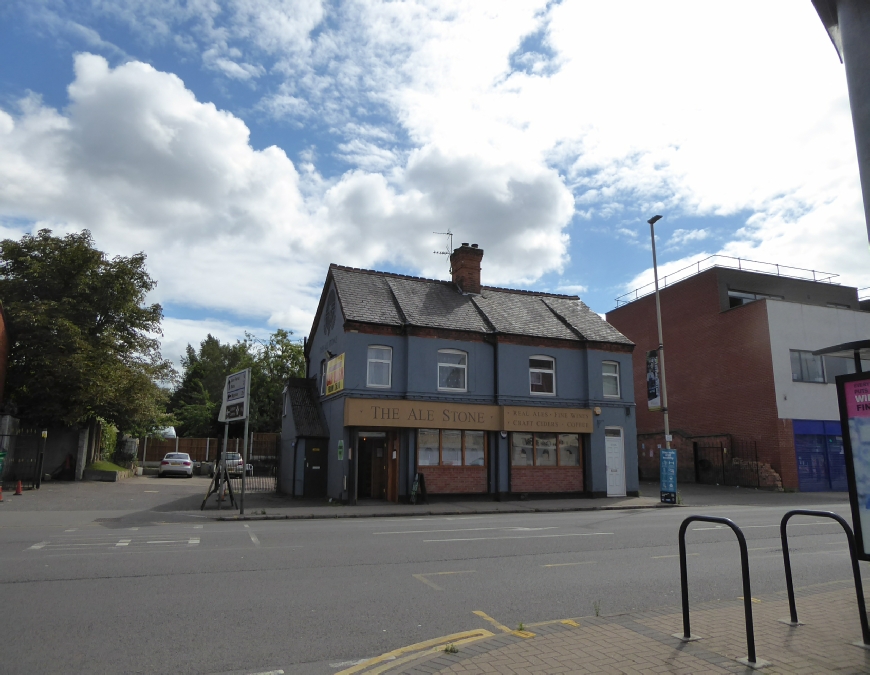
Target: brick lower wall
(546, 479)
(454, 479)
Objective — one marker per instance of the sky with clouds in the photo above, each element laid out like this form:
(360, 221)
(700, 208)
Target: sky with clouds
(244, 145)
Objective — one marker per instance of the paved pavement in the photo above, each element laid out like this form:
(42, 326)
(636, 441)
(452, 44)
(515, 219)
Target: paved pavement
(643, 642)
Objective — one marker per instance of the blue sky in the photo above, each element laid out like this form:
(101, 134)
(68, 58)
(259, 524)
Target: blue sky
(246, 145)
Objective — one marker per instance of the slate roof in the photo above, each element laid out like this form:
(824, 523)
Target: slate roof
(389, 299)
(305, 408)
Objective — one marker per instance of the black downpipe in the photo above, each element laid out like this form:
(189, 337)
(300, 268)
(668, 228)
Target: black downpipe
(293, 484)
(495, 483)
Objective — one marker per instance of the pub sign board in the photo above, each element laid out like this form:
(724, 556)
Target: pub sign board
(853, 395)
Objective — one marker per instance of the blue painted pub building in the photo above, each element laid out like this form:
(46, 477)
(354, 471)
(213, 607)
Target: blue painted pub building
(481, 390)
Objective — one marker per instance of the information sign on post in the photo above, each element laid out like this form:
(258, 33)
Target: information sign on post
(853, 394)
(668, 475)
(236, 395)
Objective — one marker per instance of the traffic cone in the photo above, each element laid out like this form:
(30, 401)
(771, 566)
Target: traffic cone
(18, 488)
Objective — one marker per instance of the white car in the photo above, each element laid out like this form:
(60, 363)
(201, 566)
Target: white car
(176, 463)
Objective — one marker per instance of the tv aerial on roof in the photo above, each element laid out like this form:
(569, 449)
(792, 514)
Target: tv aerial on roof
(449, 250)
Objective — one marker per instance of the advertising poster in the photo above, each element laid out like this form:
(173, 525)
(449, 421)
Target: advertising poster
(653, 384)
(668, 475)
(853, 392)
(335, 374)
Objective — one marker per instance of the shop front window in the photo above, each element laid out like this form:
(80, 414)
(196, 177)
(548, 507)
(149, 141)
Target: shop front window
(545, 449)
(569, 450)
(522, 449)
(474, 444)
(451, 447)
(427, 447)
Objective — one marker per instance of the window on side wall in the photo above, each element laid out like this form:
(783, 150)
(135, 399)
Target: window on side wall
(451, 447)
(452, 370)
(545, 449)
(805, 367)
(323, 378)
(542, 375)
(610, 379)
(380, 367)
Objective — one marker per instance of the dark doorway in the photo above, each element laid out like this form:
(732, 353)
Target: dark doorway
(316, 454)
(378, 465)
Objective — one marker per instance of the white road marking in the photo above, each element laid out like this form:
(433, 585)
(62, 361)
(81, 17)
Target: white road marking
(532, 536)
(275, 672)
(134, 528)
(72, 530)
(39, 545)
(197, 527)
(346, 664)
(123, 542)
(193, 541)
(468, 529)
(585, 562)
(254, 538)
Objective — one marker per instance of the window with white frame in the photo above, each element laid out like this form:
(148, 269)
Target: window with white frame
(542, 375)
(380, 367)
(452, 370)
(323, 378)
(805, 367)
(610, 379)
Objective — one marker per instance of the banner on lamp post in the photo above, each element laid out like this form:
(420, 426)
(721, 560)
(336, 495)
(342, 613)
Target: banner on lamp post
(653, 382)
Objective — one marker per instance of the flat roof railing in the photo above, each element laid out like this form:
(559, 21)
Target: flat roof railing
(730, 262)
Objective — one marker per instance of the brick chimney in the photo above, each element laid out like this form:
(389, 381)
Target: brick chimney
(465, 266)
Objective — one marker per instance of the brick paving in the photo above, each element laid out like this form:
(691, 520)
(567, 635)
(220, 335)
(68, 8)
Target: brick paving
(642, 643)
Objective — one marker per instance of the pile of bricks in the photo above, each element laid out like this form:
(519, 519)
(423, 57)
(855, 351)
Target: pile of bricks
(767, 476)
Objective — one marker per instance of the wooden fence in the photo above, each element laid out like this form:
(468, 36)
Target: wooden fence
(207, 449)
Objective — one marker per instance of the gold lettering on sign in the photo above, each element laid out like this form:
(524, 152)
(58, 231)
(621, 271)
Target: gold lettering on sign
(421, 414)
(558, 420)
(360, 412)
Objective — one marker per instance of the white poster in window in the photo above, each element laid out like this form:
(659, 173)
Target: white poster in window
(653, 384)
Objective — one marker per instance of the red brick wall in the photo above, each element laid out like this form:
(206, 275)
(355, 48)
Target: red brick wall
(454, 479)
(718, 367)
(546, 479)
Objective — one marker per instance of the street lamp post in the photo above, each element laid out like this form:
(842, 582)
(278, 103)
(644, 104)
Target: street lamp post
(667, 457)
(652, 222)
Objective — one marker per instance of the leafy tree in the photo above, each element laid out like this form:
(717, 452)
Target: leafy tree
(196, 402)
(82, 339)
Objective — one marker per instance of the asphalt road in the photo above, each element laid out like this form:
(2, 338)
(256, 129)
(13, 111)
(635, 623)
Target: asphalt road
(140, 589)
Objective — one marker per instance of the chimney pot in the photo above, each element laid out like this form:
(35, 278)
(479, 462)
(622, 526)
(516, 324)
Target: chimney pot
(465, 243)
(465, 267)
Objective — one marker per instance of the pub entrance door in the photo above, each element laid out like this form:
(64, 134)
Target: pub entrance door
(379, 465)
